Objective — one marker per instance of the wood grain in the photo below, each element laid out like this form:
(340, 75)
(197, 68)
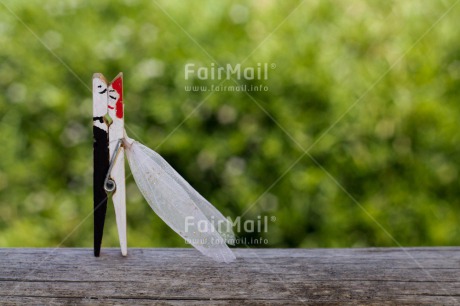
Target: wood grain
(259, 276)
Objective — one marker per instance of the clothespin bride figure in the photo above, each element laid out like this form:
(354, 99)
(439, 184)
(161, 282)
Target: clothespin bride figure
(171, 197)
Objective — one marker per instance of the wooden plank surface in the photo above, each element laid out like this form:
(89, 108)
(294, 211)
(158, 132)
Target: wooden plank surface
(259, 276)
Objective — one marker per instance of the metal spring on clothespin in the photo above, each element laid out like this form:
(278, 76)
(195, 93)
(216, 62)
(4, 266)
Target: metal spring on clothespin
(109, 184)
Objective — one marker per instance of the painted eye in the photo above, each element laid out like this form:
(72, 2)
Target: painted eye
(100, 86)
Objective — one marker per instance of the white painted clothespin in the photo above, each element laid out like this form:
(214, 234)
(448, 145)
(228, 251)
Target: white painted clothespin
(109, 162)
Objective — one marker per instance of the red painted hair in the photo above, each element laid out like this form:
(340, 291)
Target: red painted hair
(118, 86)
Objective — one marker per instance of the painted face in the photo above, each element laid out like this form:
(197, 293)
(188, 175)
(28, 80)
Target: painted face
(101, 86)
(99, 96)
(115, 99)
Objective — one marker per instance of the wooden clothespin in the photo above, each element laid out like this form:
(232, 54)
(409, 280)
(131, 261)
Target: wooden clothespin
(168, 194)
(108, 153)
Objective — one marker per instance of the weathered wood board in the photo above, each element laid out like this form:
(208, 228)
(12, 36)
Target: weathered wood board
(376, 276)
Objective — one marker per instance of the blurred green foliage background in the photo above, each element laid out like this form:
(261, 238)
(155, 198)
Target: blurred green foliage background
(369, 88)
